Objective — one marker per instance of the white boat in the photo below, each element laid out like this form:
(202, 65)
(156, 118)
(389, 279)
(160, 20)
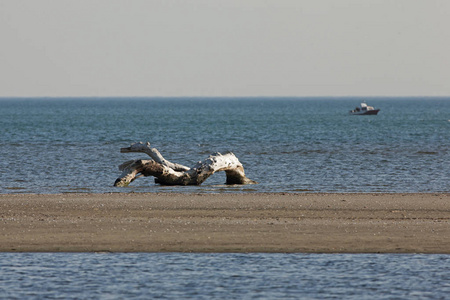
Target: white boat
(364, 109)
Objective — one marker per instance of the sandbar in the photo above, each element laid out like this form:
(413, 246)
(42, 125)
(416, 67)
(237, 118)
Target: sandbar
(242, 223)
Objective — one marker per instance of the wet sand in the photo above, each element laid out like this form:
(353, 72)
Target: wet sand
(141, 222)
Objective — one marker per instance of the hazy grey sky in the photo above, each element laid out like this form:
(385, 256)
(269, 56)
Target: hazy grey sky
(224, 47)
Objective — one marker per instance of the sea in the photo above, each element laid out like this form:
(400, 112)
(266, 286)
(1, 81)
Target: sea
(294, 145)
(289, 145)
(223, 276)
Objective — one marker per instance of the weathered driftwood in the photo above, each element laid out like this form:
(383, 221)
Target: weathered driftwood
(168, 173)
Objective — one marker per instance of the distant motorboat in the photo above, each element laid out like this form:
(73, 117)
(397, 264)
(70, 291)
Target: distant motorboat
(364, 109)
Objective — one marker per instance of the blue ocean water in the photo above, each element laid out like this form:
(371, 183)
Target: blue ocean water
(287, 145)
(223, 276)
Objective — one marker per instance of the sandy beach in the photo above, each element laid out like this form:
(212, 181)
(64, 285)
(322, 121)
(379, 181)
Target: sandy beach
(148, 222)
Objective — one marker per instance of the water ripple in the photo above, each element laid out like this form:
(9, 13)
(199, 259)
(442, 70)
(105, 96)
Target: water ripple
(222, 276)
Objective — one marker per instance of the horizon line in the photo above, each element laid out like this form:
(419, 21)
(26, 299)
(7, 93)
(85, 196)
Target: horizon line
(215, 97)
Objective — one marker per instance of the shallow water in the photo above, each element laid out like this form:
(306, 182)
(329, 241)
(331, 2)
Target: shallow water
(223, 276)
(287, 145)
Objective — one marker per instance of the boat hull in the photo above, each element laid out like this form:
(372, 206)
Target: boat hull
(365, 113)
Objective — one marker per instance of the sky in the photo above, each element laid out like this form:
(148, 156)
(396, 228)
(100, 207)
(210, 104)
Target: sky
(224, 48)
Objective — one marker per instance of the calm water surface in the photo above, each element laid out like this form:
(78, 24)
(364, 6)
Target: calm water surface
(287, 145)
(223, 276)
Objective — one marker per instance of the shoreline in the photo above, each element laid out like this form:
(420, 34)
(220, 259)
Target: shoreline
(204, 223)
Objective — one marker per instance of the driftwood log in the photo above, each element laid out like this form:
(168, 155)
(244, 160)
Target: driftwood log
(168, 173)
